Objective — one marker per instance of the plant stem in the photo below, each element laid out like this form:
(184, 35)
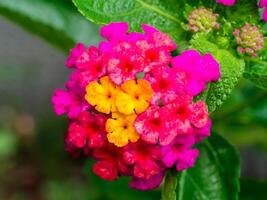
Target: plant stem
(168, 191)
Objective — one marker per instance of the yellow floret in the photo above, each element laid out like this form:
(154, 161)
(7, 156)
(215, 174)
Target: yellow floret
(102, 95)
(121, 130)
(135, 97)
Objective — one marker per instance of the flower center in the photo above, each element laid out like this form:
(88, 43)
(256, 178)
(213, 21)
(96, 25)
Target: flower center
(152, 55)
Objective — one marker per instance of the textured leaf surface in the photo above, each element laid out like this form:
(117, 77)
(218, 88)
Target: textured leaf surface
(215, 175)
(257, 73)
(231, 70)
(164, 15)
(56, 21)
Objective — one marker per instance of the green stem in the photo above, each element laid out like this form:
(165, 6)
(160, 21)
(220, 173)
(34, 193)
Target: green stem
(168, 191)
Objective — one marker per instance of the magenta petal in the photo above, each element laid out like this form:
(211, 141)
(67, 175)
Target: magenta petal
(61, 101)
(146, 184)
(74, 54)
(170, 156)
(263, 3)
(166, 137)
(201, 133)
(149, 29)
(114, 30)
(186, 159)
(195, 87)
(226, 2)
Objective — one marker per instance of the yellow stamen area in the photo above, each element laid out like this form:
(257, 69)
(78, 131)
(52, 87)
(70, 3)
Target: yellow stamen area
(102, 95)
(135, 97)
(121, 130)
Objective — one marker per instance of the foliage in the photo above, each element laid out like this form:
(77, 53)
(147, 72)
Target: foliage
(215, 175)
(55, 21)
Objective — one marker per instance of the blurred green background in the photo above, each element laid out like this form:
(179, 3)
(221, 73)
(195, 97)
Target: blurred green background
(33, 163)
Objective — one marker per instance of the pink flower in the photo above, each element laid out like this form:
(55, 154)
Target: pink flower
(166, 84)
(89, 65)
(153, 56)
(114, 31)
(198, 69)
(145, 159)
(70, 101)
(159, 39)
(72, 149)
(202, 133)
(74, 54)
(226, 2)
(110, 163)
(88, 129)
(124, 63)
(153, 126)
(146, 184)
(186, 116)
(179, 153)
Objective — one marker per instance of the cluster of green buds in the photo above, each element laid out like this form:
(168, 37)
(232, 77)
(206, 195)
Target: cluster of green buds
(249, 39)
(202, 20)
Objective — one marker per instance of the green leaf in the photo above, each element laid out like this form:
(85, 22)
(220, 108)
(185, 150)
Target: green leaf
(231, 70)
(56, 21)
(168, 190)
(164, 15)
(243, 12)
(257, 73)
(215, 175)
(253, 189)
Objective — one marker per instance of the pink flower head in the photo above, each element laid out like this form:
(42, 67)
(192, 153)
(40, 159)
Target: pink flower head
(179, 153)
(145, 159)
(137, 126)
(88, 129)
(226, 2)
(78, 50)
(110, 163)
(153, 126)
(199, 70)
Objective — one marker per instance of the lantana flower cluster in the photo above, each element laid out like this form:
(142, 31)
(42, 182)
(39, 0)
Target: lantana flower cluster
(130, 104)
(249, 39)
(202, 20)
